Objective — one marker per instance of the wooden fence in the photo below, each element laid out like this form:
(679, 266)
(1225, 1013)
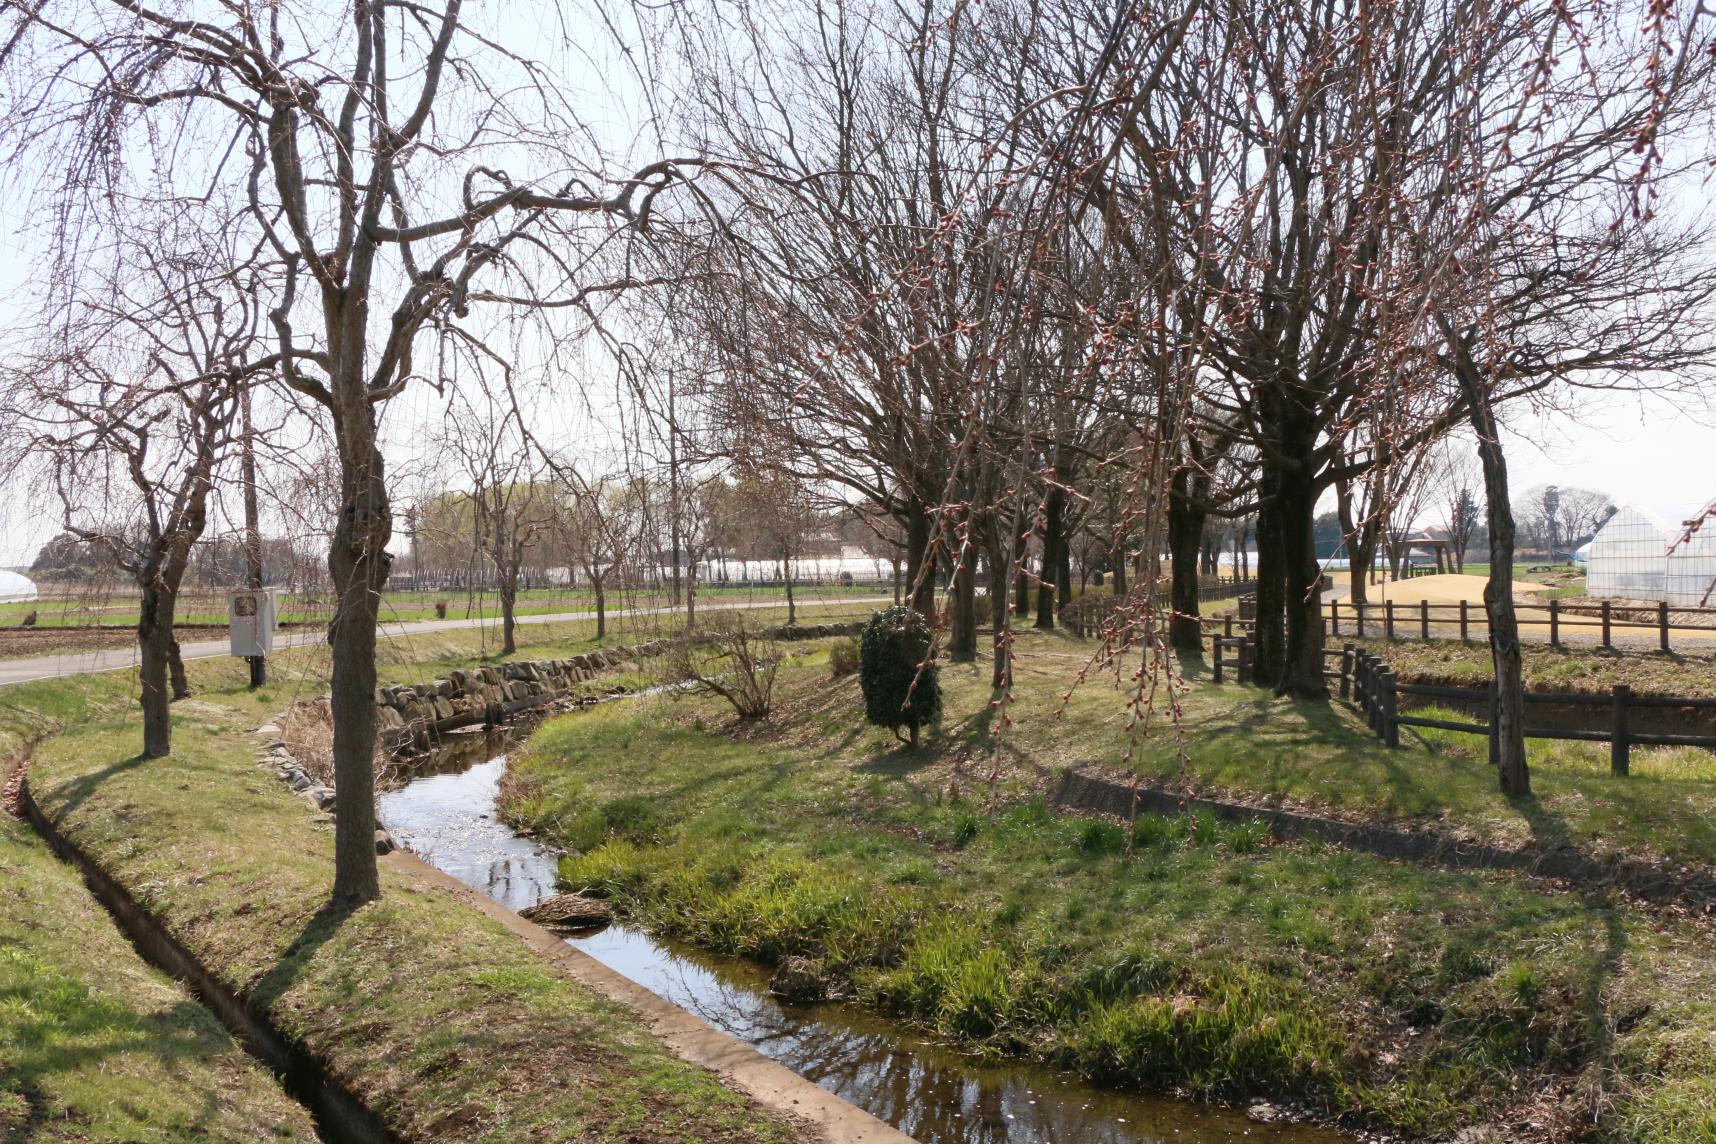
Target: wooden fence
(1369, 682)
(1395, 619)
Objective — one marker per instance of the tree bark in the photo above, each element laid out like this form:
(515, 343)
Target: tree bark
(601, 606)
(154, 640)
(1185, 536)
(1053, 510)
(509, 604)
(786, 578)
(1302, 658)
(358, 562)
(920, 570)
(1512, 771)
(962, 605)
(1271, 581)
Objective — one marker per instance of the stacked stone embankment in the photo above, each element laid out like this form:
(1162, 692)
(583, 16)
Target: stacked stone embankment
(413, 713)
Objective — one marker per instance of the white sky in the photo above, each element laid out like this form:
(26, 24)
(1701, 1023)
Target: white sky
(1649, 451)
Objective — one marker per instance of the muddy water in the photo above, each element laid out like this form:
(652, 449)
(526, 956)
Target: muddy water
(447, 816)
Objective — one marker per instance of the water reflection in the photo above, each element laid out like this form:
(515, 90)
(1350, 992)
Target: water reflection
(447, 815)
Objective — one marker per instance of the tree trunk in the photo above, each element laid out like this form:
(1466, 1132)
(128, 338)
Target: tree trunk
(1117, 559)
(786, 577)
(999, 605)
(176, 666)
(962, 605)
(1271, 581)
(154, 650)
(1063, 567)
(601, 606)
(1513, 773)
(1302, 659)
(1053, 508)
(1185, 536)
(508, 603)
(920, 568)
(358, 563)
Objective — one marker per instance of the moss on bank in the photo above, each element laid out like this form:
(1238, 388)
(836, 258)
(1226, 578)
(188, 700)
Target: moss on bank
(439, 1020)
(1211, 960)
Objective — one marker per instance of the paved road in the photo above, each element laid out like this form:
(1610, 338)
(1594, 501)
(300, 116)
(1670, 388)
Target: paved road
(116, 659)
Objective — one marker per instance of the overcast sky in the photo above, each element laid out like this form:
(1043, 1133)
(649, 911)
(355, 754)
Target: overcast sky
(1648, 451)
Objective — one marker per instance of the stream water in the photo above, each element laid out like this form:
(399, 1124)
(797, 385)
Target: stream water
(446, 814)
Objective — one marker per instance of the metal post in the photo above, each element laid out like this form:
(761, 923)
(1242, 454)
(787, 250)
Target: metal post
(1620, 744)
(1554, 622)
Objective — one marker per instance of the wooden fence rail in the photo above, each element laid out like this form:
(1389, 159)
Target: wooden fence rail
(1372, 685)
(1386, 619)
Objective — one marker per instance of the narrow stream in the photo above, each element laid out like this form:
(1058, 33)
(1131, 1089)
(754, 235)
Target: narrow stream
(447, 815)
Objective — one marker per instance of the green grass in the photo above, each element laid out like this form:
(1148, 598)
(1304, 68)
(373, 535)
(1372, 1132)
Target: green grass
(1554, 669)
(97, 1046)
(119, 608)
(441, 1021)
(1210, 960)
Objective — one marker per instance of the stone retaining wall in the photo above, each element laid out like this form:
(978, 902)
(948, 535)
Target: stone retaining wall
(412, 713)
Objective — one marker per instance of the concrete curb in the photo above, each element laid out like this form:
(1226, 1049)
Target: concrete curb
(768, 1083)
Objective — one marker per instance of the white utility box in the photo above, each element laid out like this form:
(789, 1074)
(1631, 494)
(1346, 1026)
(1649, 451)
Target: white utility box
(250, 622)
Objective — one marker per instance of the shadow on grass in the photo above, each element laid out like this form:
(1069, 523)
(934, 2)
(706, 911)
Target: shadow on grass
(320, 928)
(73, 793)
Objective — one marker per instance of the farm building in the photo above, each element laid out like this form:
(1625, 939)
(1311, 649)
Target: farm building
(1630, 559)
(14, 587)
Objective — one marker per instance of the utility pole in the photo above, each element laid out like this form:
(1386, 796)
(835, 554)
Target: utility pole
(252, 525)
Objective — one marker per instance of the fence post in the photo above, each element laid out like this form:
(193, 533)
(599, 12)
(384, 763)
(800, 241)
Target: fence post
(1662, 622)
(1244, 661)
(1388, 619)
(1358, 606)
(1620, 745)
(1334, 617)
(1495, 717)
(1346, 670)
(1227, 627)
(1554, 622)
(1424, 619)
(1373, 688)
(1390, 709)
(1215, 659)
(1463, 622)
(1607, 642)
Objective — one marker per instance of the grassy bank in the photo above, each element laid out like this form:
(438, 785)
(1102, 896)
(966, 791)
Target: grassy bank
(97, 1046)
(1554, 669)
(439, 1020)
(1211, 960)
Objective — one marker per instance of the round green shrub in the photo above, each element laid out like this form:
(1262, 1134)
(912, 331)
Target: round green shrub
(895, 642)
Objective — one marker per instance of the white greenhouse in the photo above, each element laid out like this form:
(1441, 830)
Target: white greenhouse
(1691, 574)
(1630, 559)
(15, 587)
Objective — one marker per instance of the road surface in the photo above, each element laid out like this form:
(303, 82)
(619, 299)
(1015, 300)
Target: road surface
(13, 671)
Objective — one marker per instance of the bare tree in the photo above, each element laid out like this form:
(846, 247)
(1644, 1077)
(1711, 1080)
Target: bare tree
(131, 406)
(364, 139)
